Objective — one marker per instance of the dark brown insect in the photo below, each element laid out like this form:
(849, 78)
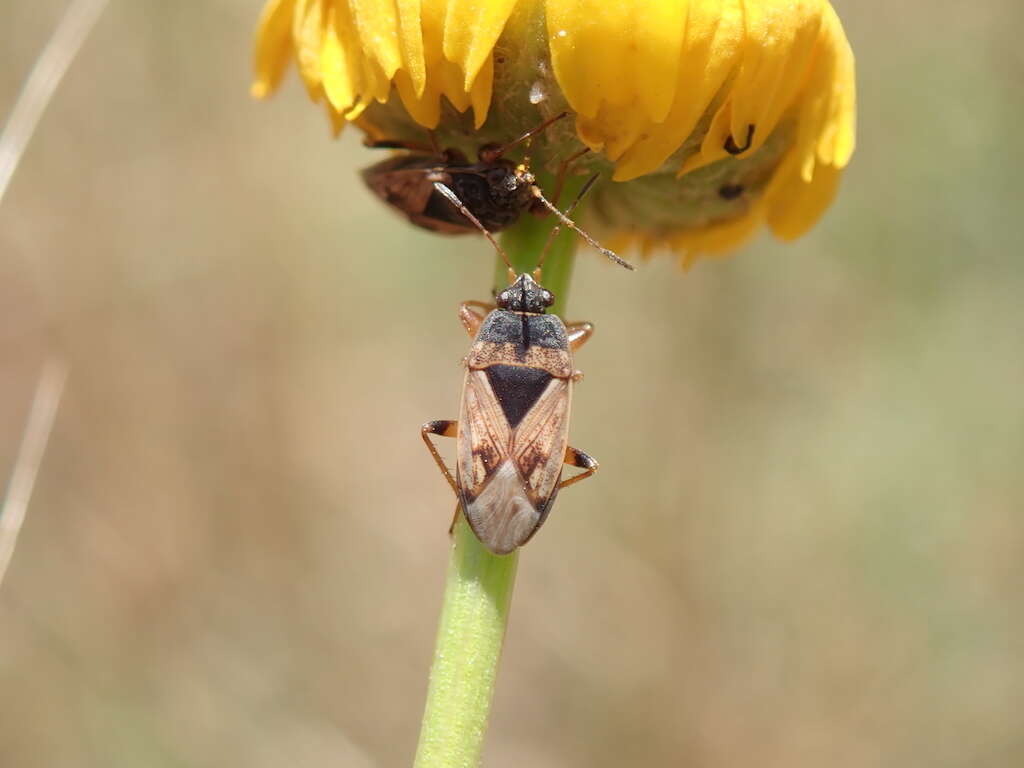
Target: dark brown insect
(513, 428)
(494, 188)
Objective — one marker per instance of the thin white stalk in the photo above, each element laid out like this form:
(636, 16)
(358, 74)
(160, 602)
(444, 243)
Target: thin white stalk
(49, 69)
(30, 455)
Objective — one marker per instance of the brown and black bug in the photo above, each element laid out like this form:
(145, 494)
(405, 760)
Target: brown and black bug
(495, 189)
(513, 429)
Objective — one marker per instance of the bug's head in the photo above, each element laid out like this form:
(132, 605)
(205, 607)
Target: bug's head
(526, 295)
(510, 186)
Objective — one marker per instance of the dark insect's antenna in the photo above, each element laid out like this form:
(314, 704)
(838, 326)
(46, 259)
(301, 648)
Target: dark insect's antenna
(572, 224)
(454, 200)
(492, 154)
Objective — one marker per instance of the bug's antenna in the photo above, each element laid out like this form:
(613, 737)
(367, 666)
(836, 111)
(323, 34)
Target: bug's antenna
(572, 224)
(454, 200)
(492, 154)
(558, 227)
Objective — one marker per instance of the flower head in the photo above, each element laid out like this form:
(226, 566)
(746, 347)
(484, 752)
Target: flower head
(713, 116)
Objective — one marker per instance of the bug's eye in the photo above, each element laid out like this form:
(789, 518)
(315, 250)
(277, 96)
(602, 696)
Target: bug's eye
(504, 296)
(548, 298)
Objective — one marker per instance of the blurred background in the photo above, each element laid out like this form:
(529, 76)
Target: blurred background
(804, 548)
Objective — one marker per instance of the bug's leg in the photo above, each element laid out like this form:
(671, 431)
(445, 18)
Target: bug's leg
(455, 518)
(471, 318)
(412, 146)
(578, 334)
(491, 152)
(430, 148)
(444, 428)
(575, 458)
(563, 171)
(434, 146)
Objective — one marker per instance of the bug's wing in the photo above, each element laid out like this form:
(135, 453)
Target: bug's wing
(493, 495)
(484, 434)
(539, 442)
(399, 186)
(406, 183)
(503, 517)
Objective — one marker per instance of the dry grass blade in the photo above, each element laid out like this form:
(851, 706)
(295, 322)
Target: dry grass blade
(30, 456)
(46, 74)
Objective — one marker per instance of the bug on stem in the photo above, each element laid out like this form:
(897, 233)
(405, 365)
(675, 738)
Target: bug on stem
(513, 429)
(495, 189)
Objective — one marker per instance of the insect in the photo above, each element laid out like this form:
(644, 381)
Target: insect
(495, 189)
(513, 427)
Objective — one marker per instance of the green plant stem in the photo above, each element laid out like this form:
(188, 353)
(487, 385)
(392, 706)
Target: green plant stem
(478, 587)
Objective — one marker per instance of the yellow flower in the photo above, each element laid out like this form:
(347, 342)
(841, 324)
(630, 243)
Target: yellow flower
(713, 116)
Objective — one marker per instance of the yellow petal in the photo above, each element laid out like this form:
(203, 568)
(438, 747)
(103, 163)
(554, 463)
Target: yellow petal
(593, 51)
(779, 46)
(480, 93)
(422, 99)
(660, 31)
(719, 237)
(838, 140)
(712, 148)
(307, 34)
(710, 51)
(814, 115)
(794, 205)
(471, 29)
(425, 107)
(359, 78)
(433, 14)
(411, 43)
(612, 130)
(273, 46)
(337, 121)
(377, 22)
(827, 105)
(779, 37)
(337, 78)
(390, 39)
(449, 76)
(623, 55)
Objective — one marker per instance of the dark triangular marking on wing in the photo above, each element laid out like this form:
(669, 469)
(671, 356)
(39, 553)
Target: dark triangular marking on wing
(517, 389)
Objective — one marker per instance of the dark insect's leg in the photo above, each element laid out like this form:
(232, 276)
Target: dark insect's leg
(578, 334)
(443, 428)
(491, 152)
(563, 170)
(575, 458)
(471, 319)
(412, 146)
(432, 148)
